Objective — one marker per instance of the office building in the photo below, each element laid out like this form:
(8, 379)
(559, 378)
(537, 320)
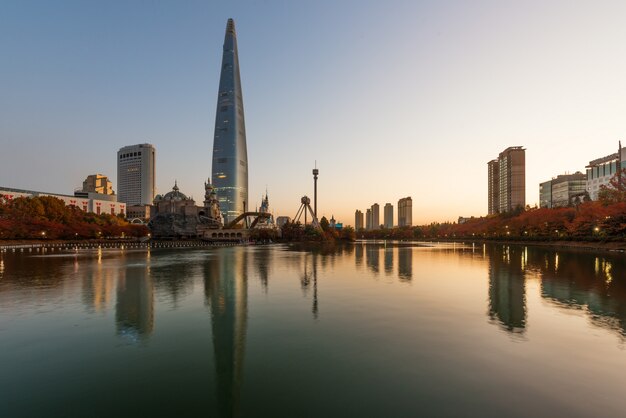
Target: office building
(375, 216)
(405, 212)
(388, 216)
(97, 183)
(564, 190)
(368, 219)
(136, 174)
(358, 220)
(507, 181)
(601, 170)
(230, 155)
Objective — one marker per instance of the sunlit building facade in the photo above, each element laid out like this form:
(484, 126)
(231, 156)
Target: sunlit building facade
(230, 155)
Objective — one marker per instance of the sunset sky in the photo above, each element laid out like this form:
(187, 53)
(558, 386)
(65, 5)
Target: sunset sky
(393, 98)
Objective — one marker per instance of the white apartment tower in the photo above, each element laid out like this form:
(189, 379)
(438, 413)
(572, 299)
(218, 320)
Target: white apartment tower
(136, 174)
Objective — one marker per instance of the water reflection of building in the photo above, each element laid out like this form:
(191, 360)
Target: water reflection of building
(507, 293)
(584, 280)
(372, 257)
(134, 310)
(226, 293)
(358, 254)
(405, 263)
(98, 285)
(388, 260)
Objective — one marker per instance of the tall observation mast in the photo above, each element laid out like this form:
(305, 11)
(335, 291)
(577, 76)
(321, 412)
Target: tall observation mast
(230, 154)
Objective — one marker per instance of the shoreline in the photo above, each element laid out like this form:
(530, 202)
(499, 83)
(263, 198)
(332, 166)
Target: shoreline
(615, 246)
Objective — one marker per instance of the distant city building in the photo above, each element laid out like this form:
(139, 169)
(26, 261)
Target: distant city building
(600, 171)
(493, 186)
(388, 215)
(97, 183)
(368, 219)
(88, 202)
(358, 220)
(375, 216)
(282, 220)
(136, 174)
(462, 220)
(507, 181)
(405, 212)
(230, 155)
(564, 190)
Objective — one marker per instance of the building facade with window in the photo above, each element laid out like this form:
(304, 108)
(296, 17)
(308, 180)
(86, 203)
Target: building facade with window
(136, 174)
(375, 216)
(388, 216)
(601, 170)
(564, 190)
(506, 181)
(405, 212)
(88, 202)
(358, 220)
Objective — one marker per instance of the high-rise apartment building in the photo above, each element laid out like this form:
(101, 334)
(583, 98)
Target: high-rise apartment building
(358, 220)
(507, 181)
(388, 216)
(368, 219)
(230, 154)
(97, 183)
(405, 211)
(493, 186)
(136, 174)
(375, 216)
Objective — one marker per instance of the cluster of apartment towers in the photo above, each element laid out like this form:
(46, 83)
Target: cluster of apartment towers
(371, 219)
(507, 181)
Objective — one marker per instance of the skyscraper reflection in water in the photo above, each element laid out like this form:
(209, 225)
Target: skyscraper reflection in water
(226, 294)
(134, 309)
(507, 293)
(372, 257)
(405, 263)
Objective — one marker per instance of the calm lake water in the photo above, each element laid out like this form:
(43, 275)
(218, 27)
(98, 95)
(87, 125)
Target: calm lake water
(276, 331)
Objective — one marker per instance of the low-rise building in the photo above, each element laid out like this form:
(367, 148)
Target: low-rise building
(88, 202)
(563, 190)
(601, 170)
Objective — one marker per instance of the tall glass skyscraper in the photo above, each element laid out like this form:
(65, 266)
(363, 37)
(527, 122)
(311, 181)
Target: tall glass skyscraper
(230, 154)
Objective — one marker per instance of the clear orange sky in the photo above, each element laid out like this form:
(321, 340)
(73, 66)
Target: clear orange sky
(391, 98)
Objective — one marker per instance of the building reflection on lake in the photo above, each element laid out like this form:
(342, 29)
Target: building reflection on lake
(226, 294)
(577, 280)
(507, 293)
(134, 309)
(372, 257)
(405, 263)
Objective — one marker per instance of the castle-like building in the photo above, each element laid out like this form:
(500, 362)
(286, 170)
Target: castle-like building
(177, 216)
